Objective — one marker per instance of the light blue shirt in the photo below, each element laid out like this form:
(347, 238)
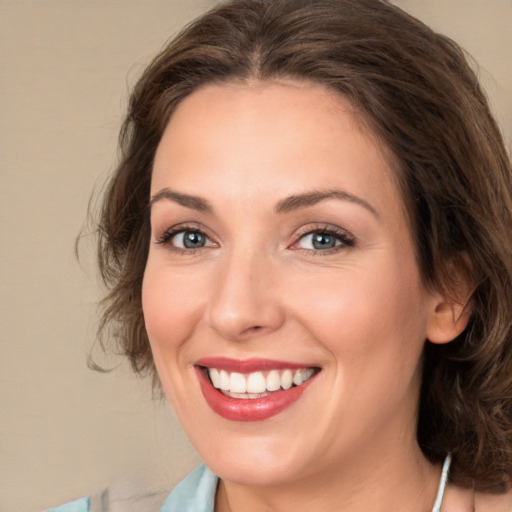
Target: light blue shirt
(196, 493)
(81, 505)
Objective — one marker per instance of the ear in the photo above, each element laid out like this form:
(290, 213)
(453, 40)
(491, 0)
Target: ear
(451, 308)
(447, 320)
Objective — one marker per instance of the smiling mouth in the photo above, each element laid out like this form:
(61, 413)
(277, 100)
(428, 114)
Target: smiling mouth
(252, 389)
(258, 384)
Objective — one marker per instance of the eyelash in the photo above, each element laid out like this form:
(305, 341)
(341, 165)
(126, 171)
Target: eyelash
(345, 238)
(166, 237)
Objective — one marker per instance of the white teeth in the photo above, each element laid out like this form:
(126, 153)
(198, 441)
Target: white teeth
(273, 381)
(302, 376)
(215, 377)
(244, 395)
(287, 379)
(307, 374)
(237, 383)
(223, 380)
(256, 384)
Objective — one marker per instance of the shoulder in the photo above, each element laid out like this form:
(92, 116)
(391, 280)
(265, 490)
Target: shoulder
(81, 505)
(460, 499)
(121, 496)
(196, 493)
(485, 502)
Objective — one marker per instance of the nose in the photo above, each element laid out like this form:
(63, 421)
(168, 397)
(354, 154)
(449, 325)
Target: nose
(245, 300)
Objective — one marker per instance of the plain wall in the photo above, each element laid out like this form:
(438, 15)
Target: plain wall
(66, 431)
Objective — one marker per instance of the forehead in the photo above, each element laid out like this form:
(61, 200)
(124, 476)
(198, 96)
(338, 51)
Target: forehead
(270, 139)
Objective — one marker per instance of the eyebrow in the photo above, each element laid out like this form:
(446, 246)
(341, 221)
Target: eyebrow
(193, 202)
(299, 201)
(288, 204)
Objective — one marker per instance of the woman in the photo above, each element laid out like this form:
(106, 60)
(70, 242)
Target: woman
(307, 243)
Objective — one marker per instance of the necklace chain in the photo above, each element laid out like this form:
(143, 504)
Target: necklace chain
(442, 484)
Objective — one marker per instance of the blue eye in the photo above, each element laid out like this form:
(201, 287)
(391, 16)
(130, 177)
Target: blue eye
(185, 239)
(189, 239)
(318, 241)
(324, 240)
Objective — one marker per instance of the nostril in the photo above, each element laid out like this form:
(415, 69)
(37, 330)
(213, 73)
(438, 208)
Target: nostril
(253, 329)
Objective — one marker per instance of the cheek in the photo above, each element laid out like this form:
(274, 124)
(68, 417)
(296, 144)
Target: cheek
(169, 307)
(373, 325)
(170, 315)
(362, 313)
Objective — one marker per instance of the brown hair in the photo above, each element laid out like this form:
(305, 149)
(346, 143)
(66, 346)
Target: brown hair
(416, 91)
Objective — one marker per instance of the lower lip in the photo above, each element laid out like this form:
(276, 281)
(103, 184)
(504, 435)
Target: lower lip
(255, 409)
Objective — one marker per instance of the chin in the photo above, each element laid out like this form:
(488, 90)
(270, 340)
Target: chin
(257, 459)
(261, 471)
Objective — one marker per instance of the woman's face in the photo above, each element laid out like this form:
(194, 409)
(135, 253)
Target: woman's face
(280, 251)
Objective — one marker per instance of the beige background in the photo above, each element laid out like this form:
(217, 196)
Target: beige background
(66, 431)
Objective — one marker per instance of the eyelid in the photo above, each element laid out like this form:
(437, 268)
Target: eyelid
(168, 234)
(344, 236)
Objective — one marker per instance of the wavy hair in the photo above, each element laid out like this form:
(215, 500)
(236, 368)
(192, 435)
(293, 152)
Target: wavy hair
(415, 90)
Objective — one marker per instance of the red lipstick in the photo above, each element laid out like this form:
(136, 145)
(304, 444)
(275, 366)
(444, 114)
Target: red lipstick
(248, 409)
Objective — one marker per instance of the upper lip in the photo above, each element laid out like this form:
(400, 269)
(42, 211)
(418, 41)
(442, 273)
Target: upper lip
(248, 365)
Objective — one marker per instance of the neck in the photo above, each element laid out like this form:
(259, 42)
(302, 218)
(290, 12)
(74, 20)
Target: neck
(380, 481)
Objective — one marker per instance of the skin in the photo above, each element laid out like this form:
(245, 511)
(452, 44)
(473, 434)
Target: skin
(258, 288)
